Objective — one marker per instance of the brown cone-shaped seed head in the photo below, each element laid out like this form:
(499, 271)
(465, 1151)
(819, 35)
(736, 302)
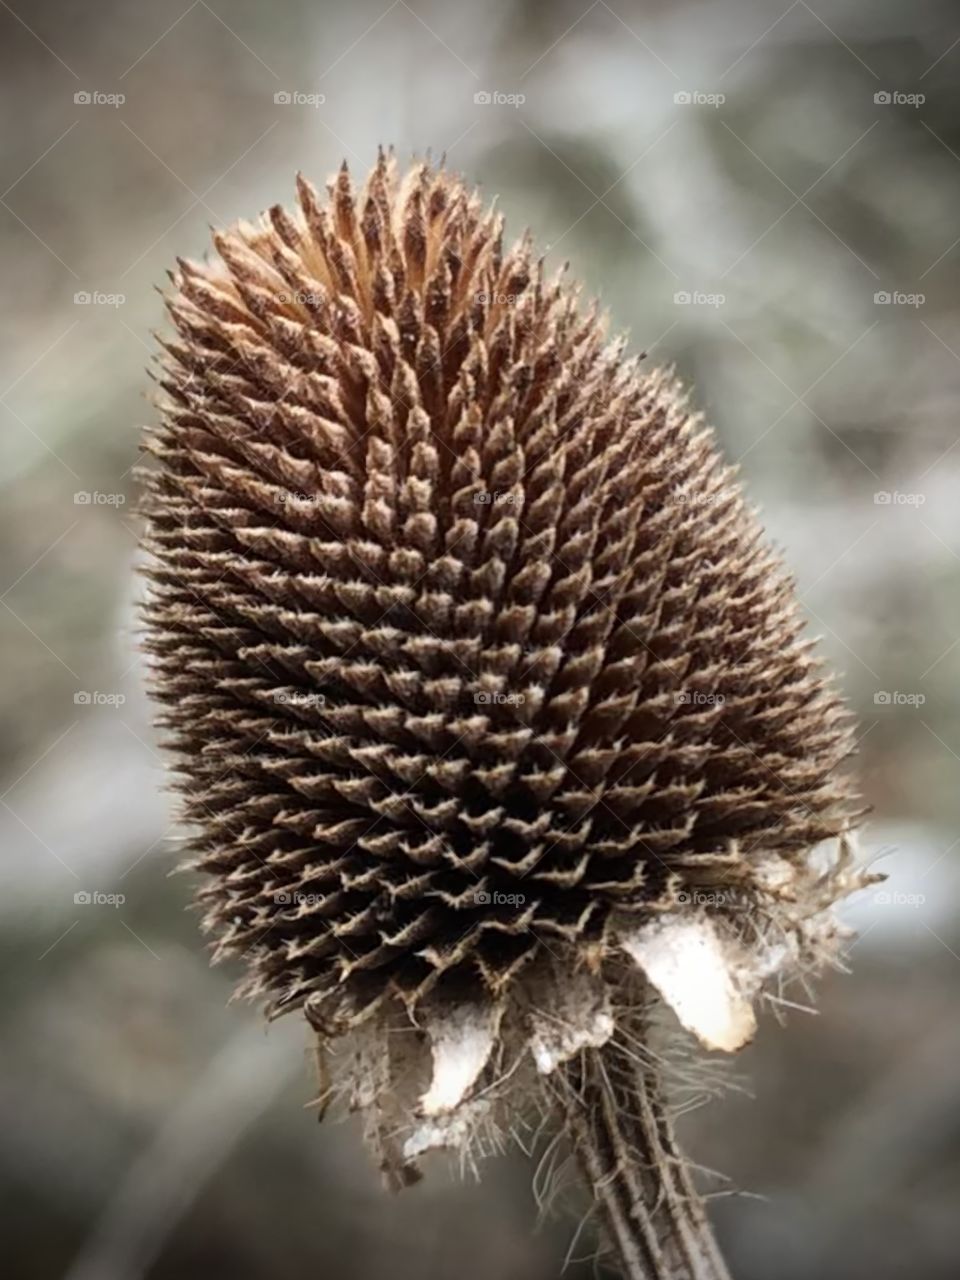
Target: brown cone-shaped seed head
(467, 643)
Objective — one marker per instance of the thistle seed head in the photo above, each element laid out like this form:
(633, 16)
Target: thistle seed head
(481, 680)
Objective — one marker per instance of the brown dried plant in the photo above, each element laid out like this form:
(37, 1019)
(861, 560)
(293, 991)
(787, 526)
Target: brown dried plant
(492, 712)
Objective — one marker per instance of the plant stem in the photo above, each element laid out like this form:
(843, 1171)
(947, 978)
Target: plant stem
(619, 1126)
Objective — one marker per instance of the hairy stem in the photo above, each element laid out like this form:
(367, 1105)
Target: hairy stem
(613, 1110)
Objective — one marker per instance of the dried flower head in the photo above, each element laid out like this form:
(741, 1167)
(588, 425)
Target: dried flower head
(493, 714)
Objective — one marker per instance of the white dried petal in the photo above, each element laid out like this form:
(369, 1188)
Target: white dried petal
(576, 1015)
(455, 1130)
(461, 1040)
(702, 976)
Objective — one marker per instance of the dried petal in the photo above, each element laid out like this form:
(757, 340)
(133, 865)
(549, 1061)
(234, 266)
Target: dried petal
(699, 973)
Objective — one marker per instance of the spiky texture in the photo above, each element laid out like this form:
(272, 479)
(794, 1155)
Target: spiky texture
(469, 647)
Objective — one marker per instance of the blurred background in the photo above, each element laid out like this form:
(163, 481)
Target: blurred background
(765, 194)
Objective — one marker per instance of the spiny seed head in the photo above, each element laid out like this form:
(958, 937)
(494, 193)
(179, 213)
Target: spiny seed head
(472, 656)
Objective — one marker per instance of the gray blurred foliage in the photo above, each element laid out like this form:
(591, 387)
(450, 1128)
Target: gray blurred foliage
(150, 1129)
